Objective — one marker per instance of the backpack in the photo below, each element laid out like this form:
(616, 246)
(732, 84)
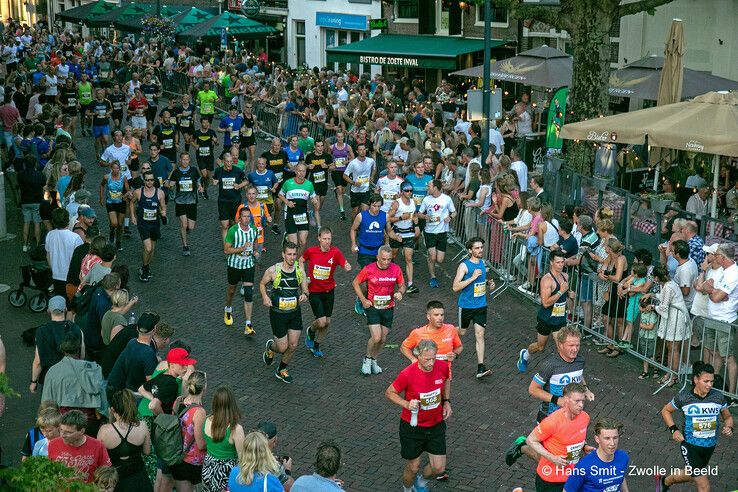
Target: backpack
(166, 435)
(278, 275)
(81, 301)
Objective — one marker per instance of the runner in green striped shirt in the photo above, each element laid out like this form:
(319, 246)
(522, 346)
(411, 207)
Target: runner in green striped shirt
(240, 257)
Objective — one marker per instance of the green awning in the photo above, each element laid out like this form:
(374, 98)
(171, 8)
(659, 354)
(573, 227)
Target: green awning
(124, 12)
(135, 23)
(237, 26)
(188, 18)
(408, 51)
(86, 12)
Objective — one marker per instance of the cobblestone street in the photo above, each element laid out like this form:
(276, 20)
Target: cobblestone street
(329, 399)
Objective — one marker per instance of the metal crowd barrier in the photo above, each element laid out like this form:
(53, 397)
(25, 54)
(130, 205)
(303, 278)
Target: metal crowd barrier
(717, 347)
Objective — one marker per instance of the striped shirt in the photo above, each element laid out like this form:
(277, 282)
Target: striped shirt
(238, 238)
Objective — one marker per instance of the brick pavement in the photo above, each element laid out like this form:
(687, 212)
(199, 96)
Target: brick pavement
(329, 398)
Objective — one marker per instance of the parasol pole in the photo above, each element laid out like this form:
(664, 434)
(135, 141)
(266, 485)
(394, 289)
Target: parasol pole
(715, 179)
(486, 82)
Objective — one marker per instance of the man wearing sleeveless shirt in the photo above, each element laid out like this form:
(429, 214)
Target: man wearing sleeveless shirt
(405, 230)
(146, 207)
(471, 283)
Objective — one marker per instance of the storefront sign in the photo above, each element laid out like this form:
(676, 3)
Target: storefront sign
(341, 21)
(389, 60)
(378, 24)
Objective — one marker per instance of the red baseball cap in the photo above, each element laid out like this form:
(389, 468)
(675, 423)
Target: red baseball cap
(180, 356)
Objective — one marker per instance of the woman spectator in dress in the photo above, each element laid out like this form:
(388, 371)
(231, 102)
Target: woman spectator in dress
(674, 330)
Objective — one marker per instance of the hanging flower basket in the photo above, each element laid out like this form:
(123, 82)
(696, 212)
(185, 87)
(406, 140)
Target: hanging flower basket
(159, 28)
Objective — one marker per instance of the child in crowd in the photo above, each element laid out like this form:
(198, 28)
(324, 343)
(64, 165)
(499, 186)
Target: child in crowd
(647, 334)
(637, 279)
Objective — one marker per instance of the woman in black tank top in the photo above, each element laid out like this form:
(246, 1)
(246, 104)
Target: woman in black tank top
(126, 439)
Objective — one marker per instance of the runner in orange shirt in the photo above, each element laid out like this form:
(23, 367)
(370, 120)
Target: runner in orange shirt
(445, 335)
(559, 440)
(259, 213)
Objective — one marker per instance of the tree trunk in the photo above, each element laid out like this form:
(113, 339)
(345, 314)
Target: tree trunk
(591, 39)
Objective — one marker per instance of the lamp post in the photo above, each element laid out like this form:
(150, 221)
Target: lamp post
(486, 81)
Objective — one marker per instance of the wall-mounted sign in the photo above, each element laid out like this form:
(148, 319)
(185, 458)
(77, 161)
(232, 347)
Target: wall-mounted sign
(389, 60)
(341, 21)
(378, 23)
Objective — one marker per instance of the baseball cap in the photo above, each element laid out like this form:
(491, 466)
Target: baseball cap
(180, 356)
(406, 186)
(402, 140)
(712, 249)
(448, 151)
(57, 303)
(147, 322)
(86, 211)
(268, 428)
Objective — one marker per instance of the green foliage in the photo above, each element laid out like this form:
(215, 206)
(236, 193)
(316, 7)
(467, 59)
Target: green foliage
(39, 474)
(580, 156)
(5, 388)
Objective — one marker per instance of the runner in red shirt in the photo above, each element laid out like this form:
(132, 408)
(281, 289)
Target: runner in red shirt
(445, 335)
(75, 449)
(322, 262)
(381, 278)
(426, 406)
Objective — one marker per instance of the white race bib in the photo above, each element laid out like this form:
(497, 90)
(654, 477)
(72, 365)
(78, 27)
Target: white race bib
(381, 302)
(319, 176)
(430, 400)
(229, 183)
(574, 453)
(247, 132)
(558, 310)
(262, 192)
(149, 214)
(480, 288)
(287, 303)
(203, 151)
(185, 185)
(704, 427)
(321, 272)
(168, 143)
(300, 219)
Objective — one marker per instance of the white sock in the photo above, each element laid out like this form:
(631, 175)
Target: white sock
(228, 309)
(526, 354)
(248, 321)
(407, 489)
(125, 222)
(422, 481)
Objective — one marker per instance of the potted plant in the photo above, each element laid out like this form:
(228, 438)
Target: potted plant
(555, 160)
(661, 201)
(600, 182)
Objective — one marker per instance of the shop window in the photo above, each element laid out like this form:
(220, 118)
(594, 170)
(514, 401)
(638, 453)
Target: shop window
(300, 42)
(499, 16)
(406, 9)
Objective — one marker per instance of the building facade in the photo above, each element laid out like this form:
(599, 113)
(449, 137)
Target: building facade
(315, 25)
(21, 10)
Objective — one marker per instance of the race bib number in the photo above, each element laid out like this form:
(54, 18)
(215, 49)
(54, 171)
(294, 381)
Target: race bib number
(418, 199)
(340, 163)
(387, 195)
(262, 192)
(149, 214)
(116, 195)
(229, 183)
(381, 302)
(184, 123)
(434, 219)
(321, 272)
(362, 180)
(430, 400)
(300, 219)
(101, 113)
(207, 107)
(72, 102)
(704, 427)
(140, 111)
(86, 95)
(559, 309)
(168, 143)
(204, 151)
(248, 250)
(185, 185)
(574, 453)
(480, 289)
(278, 176)
(234, 133)
(287, 303)
(173, 120)
(247, 132)
(319, 177)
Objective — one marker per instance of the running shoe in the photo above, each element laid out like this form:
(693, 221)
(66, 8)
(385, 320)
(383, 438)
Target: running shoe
(412, 289)
(375, 367)
(482, 371)
(366, 366)
(126, 231)
(26, 248)
(317, 353)
(143, 278)
(227, 318)
(186, 251)
(515, 451)
(661, 483)
(284, 375)
(275, 229)
(119, 245)
(442, 476)
(417, 486)
(249, 330)
(433, 282)
(358, 307)
(343, 215)
(523, 360)
(268, 355)
(309, 339)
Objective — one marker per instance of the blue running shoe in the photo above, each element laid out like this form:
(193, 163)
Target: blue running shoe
(523, 360)
(308, 339)
(433, 282)
(317, 353)
(417, 486)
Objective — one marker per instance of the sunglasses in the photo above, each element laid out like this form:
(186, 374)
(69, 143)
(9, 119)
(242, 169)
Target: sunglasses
(149, 180)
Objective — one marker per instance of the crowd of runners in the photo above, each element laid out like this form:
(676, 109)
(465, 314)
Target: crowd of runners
(109, 401)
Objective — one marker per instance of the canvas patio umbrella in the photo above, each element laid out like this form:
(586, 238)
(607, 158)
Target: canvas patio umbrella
(190, 17)
(124, 12)
(237, 25)
(707, 124)
(135, 23)
(542, 67)
(84, 13)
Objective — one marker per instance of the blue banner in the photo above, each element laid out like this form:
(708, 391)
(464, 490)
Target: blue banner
(342, 21)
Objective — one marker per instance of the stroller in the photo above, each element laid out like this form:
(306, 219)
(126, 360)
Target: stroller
(36, 276)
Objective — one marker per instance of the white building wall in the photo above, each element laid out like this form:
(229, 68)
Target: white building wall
(315, 35)
(710, 35)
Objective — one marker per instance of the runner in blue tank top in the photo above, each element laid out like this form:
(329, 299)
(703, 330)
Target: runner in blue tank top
(113, 188)
(367, 236)
(472, 285)
(702, 406)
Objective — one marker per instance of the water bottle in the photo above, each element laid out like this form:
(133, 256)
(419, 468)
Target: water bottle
(414, 417)
(132, 318)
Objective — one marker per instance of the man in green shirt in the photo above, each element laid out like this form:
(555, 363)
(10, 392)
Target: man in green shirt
(240, 250)
(305, 142)
(295, 195)
(84, 95)
(206, 99)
